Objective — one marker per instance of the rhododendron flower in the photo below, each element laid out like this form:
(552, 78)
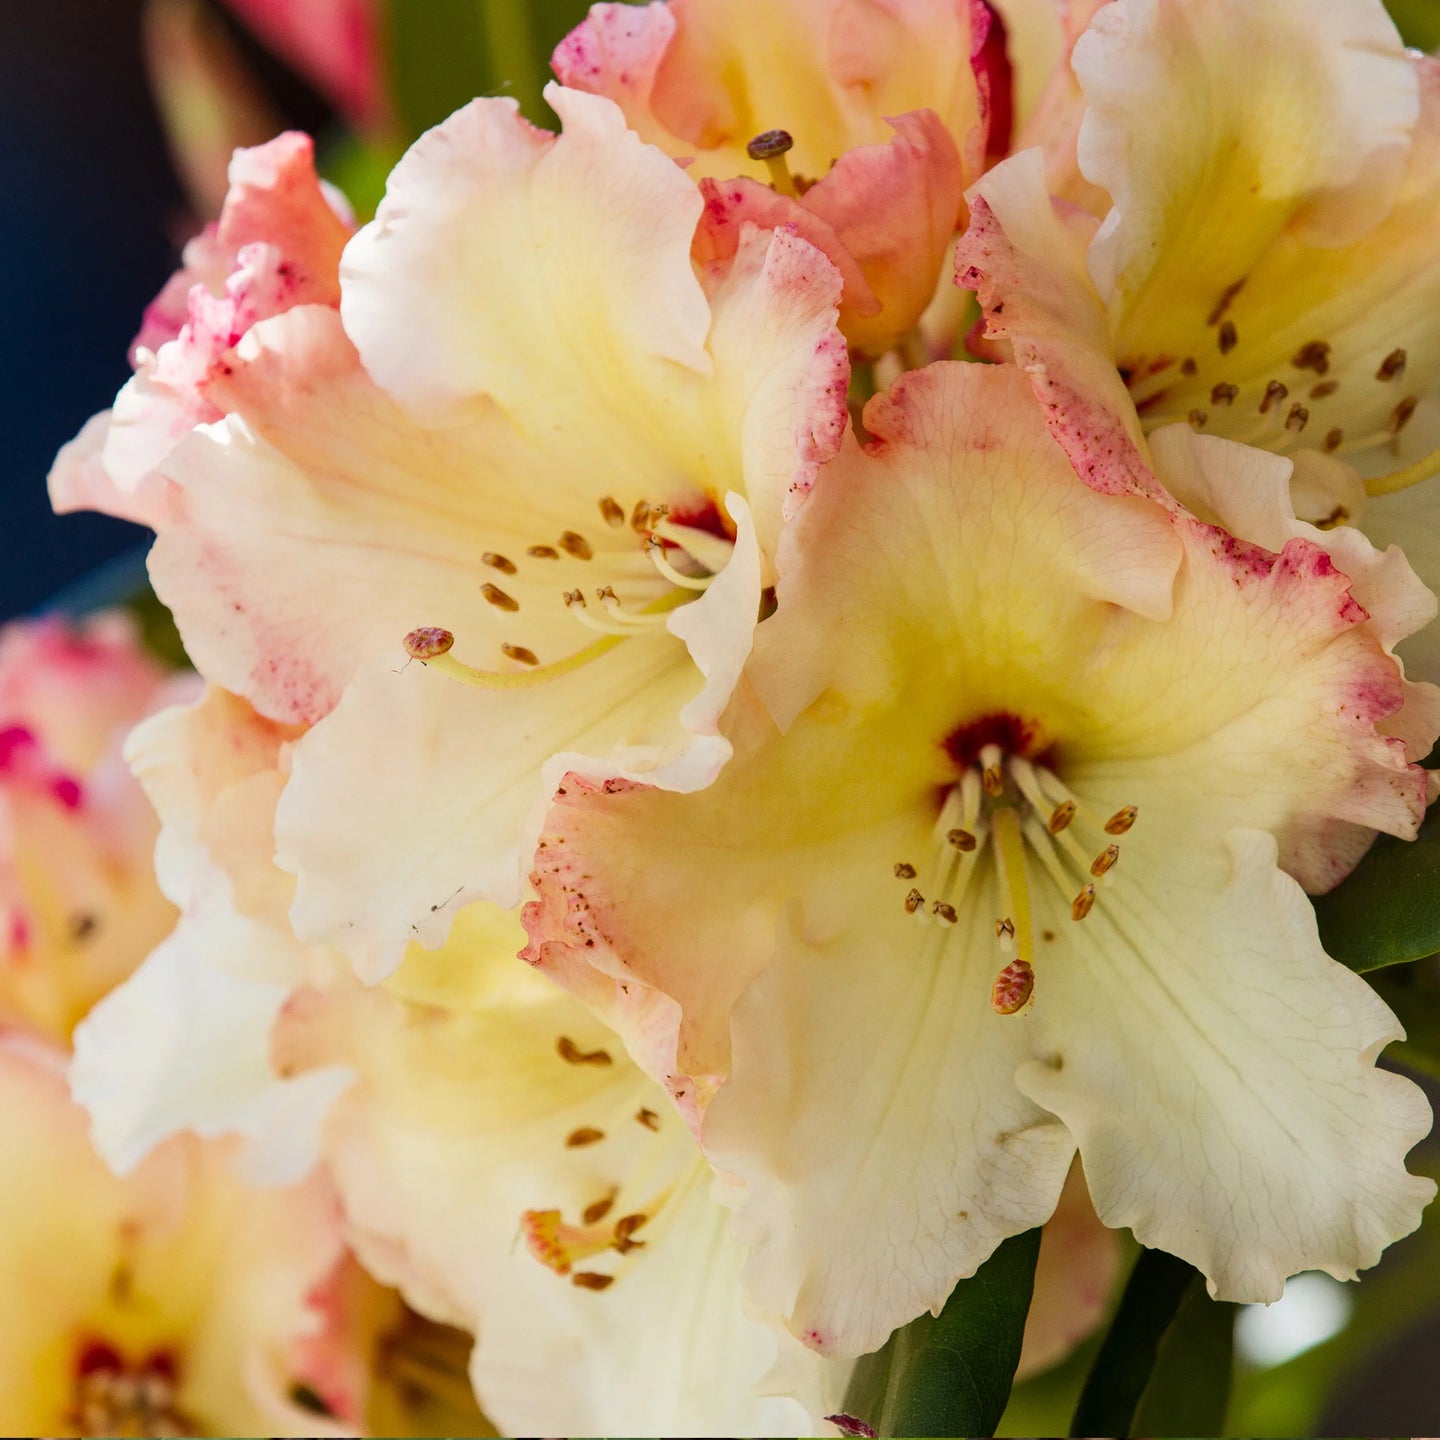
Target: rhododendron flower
(1268, 274)
(1014, 872)
(569, 462)
(485, 1102)
(79, 907)
(883, 114)
(277, 244)
(174, 1302)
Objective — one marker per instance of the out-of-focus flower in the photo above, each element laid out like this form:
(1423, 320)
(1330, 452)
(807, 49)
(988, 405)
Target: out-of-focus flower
(568, 460)
(276, 245)
(174, 1302)
(1020, 876)
(485, 1103)
(889, 111)
(334, 43)
(79, 907)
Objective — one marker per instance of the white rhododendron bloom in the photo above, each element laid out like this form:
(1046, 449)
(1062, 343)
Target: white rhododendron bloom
(1017, 869)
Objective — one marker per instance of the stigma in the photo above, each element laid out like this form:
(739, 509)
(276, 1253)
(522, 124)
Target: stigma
(1008, 827)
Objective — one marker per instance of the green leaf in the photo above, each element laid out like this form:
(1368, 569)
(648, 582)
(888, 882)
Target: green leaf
(442, 53)
(951, 1374)
(1413, 993)
(1153, 1295)
(1387, 912)
(1189, 1388)
(1418, 21)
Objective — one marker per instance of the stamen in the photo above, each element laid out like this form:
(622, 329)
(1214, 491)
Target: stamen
(710, 551)
(1188, 366)
(1227, 295)
(1061, 816)
(1392, 367)
(1227, 339)
(1104, 862)
(542, 552)
(626, 1226)
(944, 911)
(498, 562)
(573, 543)
(962, 840)
(429, 642)
(1400, 415)
(597, 1210)
(611, 509)
(1013, 987)
(913, 901)
(1324, 389)
(1121, 820)
(640, 517)
(1313, 355)
(1224, 393)
(1333, 440)
(1011, 847)
(585, 1135)
(656, 552)
(904, 871)
(1297, 417)
(1083, 903)
(520, 653)
(498, 598)
(574, 597)
(592, 1280)
(648, 1118)
(1274, 391)
(1005, 931)
(771, 146)
(1198, 419)
(572, 1054)
(992, 773)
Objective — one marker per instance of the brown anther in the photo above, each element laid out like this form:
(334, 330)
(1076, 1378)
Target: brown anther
(498, 598)
(913, 901)
(607, 592)
(904, 870)
(1121, 820)
(1223, 303)
(769, 144)
(592, 1280)
(1224, 393)
(961, 840)
(627, 1225)
(585, 1135)
(1400, 415)
(1083, 903)
(640, 516)
(1324, 389)
(1392, 366)
(648, 1118)
(1275, 390)
(1227, 339)
(1334, 439)
(575, 597)
(1105, 860)
(1198, 419)
(520, 653)
(498, 562)
(613, 511)
(1188, 366)
(573, 543)
(1013, 987)
(1060, 816)
(542, 552)
(992, 777)
(597, 1210)
(1005, 929)
(1297, 418)
(1313, 355)
(427, 642)
(572, 1054)
(944, 911)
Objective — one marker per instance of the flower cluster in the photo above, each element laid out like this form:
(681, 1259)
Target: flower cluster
(857, 560)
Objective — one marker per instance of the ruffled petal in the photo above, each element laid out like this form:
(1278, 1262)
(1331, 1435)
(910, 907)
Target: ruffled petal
(1290, 1153)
